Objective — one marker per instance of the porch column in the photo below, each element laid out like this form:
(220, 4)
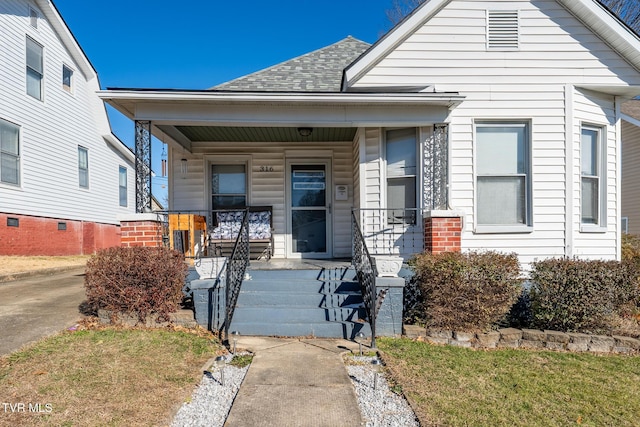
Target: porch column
(143, 165)
(141, 230)
(442, 231)
(436, 168)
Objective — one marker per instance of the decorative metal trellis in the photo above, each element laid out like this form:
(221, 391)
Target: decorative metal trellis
(436, 169)
(143, 165)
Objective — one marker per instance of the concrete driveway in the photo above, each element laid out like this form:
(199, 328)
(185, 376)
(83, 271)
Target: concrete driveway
(39, 306)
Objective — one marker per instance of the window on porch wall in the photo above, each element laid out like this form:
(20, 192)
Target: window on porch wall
(592, 172)
(401, 157)
(228, 186)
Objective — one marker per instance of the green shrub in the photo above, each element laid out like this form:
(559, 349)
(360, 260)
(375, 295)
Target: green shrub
(582, 295)
(467, 291)
(137, 281)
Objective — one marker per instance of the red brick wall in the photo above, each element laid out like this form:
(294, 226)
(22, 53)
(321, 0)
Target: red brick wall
(442, 234)
(40, 236)
(141, 233)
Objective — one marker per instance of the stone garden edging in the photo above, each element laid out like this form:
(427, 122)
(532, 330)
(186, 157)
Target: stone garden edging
(529, 339)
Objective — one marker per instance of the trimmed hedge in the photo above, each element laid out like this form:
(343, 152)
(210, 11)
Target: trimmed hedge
(137, 281)
(466, 291)
(573, 295)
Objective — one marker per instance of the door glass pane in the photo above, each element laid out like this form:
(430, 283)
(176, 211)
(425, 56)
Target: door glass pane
(309, 230)
(501, 200)
(308, 186)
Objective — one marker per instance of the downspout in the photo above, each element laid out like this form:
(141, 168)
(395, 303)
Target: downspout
(569, 160)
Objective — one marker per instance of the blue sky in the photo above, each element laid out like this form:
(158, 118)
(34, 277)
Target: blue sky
(196, 44)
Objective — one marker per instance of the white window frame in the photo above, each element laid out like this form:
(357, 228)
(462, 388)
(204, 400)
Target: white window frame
(70, 87)
(412, 219)
(83, 171)
(15, 156)
(527, 227)
(39, 73)
(600, 225)
(123, 189)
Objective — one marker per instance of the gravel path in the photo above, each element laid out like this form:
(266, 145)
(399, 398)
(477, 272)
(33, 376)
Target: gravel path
(211, 402)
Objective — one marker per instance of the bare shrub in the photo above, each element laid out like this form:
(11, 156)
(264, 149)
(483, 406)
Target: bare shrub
(137, 281)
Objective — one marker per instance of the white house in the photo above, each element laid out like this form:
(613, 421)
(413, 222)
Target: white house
(64, 177)
(471, 124)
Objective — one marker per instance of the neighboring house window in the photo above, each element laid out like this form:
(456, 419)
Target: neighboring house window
(401, 157)
(122, 185)
(35, 69)
(502, 174)
(228, 186)
(67, 78)
(83, 167)
(502, 30)
(9, 153)
(33, 17)
(592, 175)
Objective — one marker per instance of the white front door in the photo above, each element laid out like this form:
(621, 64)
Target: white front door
(309, 209)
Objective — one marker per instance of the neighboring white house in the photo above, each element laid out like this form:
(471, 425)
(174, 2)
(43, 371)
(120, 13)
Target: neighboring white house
(64, 177)
(499, 117)
(630, 164)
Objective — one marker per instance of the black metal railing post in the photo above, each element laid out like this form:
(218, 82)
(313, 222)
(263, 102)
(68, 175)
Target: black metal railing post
(367, 273)
(236, 268)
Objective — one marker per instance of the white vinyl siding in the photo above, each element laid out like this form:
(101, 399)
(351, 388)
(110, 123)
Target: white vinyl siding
(556, 51)
(9, 153)
(35, 68)
(51, 131)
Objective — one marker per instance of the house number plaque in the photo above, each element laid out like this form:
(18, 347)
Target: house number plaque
(266, 168)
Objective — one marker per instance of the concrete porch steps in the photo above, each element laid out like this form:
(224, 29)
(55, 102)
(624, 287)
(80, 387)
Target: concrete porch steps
(320, 302)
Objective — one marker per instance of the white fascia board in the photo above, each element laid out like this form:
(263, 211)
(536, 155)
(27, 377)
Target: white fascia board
(450, 99)
(68, 39)
(390, 41)
(599, 20)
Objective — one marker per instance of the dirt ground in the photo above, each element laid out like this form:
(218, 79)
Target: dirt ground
(21, 264)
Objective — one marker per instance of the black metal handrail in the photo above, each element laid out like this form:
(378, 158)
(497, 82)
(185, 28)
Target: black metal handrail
(367, 273)
(236, 268)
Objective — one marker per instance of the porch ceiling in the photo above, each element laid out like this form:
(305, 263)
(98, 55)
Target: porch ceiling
(265, 134)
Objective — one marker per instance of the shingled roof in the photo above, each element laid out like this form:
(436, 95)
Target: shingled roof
(317, 71)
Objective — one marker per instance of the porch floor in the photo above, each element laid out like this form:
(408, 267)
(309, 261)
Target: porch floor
(299, 264)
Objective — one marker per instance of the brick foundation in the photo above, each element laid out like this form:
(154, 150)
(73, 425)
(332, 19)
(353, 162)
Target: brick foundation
(442, 233)
(54, 237)
(141, 230)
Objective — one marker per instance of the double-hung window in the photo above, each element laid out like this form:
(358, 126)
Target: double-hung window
(67, 79)
(401, 158)
(35, 69)
(228, 186)
(9, 153)
(83, 167)
(122, 185)
(502, 176)
(592, 176)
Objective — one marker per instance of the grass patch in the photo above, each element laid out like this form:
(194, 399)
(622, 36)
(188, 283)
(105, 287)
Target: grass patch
(104, 377)
(453, 386)
(241, 360)
(12, 264)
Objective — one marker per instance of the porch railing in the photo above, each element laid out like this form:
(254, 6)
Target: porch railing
(392, 231)
(236, 268)
(366, 271)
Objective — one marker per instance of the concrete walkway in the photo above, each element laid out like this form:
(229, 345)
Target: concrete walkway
(295, 382)
(38, 306)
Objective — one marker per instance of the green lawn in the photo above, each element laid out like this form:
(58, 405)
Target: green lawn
(450, 386)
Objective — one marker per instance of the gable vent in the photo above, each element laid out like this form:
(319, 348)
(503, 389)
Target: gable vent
(502, 30)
